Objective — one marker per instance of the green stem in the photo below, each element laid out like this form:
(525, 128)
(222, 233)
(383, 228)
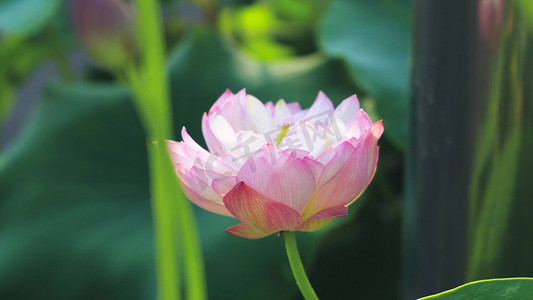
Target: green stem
(173, 214)
(194, 263)
(165, 246)
(297, 267)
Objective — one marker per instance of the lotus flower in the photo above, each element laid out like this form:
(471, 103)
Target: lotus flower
(277, 167)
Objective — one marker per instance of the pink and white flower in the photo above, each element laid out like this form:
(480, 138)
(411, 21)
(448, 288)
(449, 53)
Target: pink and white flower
(278, 167)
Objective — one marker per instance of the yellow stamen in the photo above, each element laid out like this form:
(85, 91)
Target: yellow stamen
(284, 131)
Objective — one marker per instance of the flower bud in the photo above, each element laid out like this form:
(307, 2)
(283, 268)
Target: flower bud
(106, 29)
(490, 16)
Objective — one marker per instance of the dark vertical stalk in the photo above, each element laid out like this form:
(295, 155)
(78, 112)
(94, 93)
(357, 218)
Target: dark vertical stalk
(439, 147)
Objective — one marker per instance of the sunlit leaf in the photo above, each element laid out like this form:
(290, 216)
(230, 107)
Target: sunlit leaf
(492, 289)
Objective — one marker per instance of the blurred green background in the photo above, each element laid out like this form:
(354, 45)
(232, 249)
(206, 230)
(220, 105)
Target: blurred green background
(75, 219)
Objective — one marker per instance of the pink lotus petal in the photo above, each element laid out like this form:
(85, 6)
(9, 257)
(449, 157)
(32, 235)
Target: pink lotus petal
(298, 153)
(233, 108)
(258, 212)
(360, 123)
(201, 196)
(203, 158)
(334, 212)
(342, 154)
(198, 181)
(248, 142)
(270, 108)
(294, 107)
(223, 131)
(187, 139)
(279, 176)
(322, 105)
(178, 154)
(313, 225)
(208, 176)
(190, 154)
(316, 167)
(233, 160)
(218, 133)
(245, 231)
(223, 185)
(213, 144)
(351, 177)
(212, 206)
(304, 135)
(241, 97)
(221, 101)
(258, 116)
(282, 112)
(326, 156)
(348, 109)
(322, 218)
(197, 184)
(233, 113)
